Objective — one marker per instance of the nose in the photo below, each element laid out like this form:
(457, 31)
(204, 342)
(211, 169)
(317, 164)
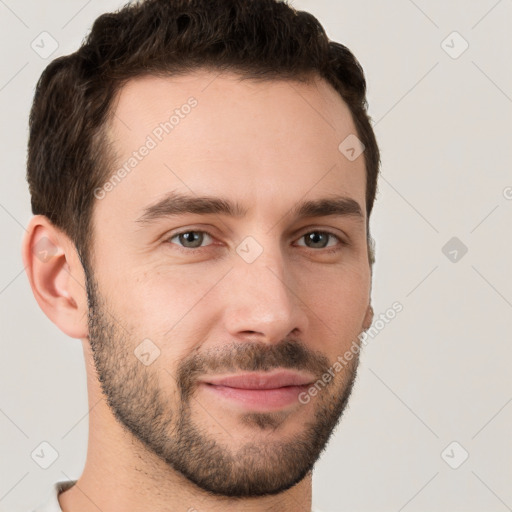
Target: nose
(262, 301)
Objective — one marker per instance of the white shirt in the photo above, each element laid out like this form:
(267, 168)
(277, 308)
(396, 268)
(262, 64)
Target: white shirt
(51, 503)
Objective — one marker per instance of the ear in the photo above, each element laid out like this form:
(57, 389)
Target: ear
(368, 318)
(56, 276)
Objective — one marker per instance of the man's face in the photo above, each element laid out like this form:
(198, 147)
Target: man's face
(178, 301)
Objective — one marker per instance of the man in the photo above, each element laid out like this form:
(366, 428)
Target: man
(202, 175)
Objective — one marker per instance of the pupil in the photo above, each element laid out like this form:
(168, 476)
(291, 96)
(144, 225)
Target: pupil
(191, 237)
(314, 237)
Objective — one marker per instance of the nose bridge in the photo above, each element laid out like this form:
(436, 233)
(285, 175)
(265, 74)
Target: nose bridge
(263, 298)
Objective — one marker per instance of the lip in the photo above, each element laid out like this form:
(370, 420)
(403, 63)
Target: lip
(258, 391)
(261, 380)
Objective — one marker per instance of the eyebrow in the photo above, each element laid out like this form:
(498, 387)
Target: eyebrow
(174, 204)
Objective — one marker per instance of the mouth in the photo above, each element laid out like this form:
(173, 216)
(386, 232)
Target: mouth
(259, 391)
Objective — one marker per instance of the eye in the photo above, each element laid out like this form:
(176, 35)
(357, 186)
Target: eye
(319, 239)
(190, 239)
(194, 239)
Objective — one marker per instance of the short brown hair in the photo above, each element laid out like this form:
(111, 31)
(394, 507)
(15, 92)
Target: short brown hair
(259, 39)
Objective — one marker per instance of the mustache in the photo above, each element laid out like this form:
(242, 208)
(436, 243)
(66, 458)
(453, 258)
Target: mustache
(249, 357)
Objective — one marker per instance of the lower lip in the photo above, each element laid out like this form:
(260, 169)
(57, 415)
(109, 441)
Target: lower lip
(263, 399)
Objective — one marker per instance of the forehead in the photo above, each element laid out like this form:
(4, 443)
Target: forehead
(211, 133)
(226, 104)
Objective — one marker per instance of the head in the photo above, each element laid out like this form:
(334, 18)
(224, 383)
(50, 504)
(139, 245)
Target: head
(226, 120)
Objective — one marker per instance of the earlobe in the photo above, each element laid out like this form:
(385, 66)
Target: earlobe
(368, 319)
(56, 276)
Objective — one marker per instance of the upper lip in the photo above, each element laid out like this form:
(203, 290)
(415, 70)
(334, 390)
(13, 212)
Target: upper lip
(266, 380)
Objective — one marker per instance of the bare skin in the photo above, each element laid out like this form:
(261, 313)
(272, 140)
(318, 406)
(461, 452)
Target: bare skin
(159, 438)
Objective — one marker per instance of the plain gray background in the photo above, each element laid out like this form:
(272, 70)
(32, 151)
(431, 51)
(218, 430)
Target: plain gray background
(439, 372)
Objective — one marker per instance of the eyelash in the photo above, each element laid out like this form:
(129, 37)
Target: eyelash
(323, 232)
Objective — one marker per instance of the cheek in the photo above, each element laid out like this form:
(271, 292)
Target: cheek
(338, 306)
(166, 304)
(339, 288)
